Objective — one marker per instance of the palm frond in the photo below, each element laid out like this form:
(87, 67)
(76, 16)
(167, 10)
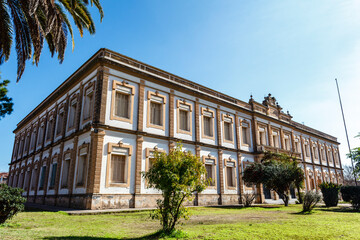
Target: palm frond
(5, 32)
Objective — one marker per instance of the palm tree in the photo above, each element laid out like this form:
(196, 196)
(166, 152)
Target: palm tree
(33, 21)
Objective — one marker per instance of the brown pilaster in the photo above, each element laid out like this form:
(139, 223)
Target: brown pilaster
(197, 121)
(197, 151)
(237, 131)
(221, 174)
(96, 153)
(140, 123)
(218, 126)
(269, 135)
(139, 142)
(240, 181)
(101, 94)
(72, 166)
(171, 114)
(282, 140)
(58, 170)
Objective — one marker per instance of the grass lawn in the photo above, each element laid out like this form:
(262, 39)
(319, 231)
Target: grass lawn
(205, 223)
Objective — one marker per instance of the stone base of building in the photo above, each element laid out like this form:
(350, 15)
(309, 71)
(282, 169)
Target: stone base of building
(118, 201)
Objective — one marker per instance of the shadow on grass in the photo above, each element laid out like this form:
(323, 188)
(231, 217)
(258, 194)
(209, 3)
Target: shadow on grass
(242, 207)
(337, 209)
(155, 235)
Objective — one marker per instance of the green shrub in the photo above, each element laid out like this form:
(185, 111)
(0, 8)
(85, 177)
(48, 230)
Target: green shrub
(11, 202)
(330, 192)
(310, 201)
(351, 194)
(248, 199)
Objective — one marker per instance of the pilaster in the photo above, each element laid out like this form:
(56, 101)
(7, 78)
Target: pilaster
(139, 142)
(171, 114)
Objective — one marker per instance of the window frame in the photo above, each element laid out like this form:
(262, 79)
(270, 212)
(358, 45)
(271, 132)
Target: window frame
(111, 152)
(91, 88)
(86, 167)
(227, 118)
(180, 102)
(66, 157)
(115, 88)
(263, 129)
(214, 172)
(54, 160)
(227, 162)
(43, 127)
(51, 118)
(212, 112)
(73, 98)
(61, 111)
(275, 134)
(151, 94)
(243, 124)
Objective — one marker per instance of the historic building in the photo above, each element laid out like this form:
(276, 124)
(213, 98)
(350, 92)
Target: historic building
(87, 143)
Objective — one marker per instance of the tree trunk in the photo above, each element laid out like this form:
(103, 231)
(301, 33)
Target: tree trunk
(299, 197)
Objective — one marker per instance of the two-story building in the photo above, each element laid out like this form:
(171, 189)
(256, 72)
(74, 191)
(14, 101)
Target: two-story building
(87, 143)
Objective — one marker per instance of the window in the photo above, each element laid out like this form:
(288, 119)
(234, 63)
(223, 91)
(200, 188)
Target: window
(26, 182)
(16, 148)
(32, 140)
(53, 175)
(316, 156)
(49, 129)
(297, 146)
(228, 128)
(330, 156)
(208, 123)
(26, 145)
(156, 113)
(88, 103)
(336, 157)
(72, 113)
(287, 142)
(323, 155)
(65, 171)
(248, 186)
(307, 150)
(21, 178)
(60, 122)
(122, 101)
(208, 128)
(118, 165)
(275, 138)
(81, 170)
(210, 163)
(21, 147)
(40, 135)
(156, 110)
(33, 178)
(262, 136)
(245, 134)
(42, 178)
(230, 174)
(184, 117)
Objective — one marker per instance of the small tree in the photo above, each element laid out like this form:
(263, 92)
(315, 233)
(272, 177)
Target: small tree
(278, 172)
(178, 175)
(11, 202)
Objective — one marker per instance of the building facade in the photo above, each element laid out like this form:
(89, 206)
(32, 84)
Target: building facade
(87, 143)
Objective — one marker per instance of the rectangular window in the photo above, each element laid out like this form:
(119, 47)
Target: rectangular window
(156, 113)
(53, 175)
(88, 105)
(20, 182)
(297, 146)
(208, 128)
(276, 140)
(72, 114)
(245, 135)
(315, 152)
(209, 174)
(65, 173)
(32, 141)
(81, 170)
(122, 103)
(21, 148)
(230, 178)
(40, 135)
(307, 150)
(262, 137)
(42, 178)
(184, 120)
(118, 163)
(26, 182)
(330, 156)
(228, 131)
(287, 143)
(49, 130)
(26, 146)
(60, 123)
(33, 179)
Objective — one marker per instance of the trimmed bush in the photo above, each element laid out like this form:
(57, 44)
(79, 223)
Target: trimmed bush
(330, 192)
(351, 194)
(310, 201)
(11, 202)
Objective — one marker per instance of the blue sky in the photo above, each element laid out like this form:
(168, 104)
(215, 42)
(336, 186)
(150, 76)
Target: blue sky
(292, 49)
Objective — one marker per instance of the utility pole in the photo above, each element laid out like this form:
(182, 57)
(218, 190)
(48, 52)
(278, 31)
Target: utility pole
(347, 137)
